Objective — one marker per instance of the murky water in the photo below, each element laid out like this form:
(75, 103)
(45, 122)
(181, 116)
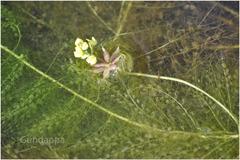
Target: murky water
(193, 41)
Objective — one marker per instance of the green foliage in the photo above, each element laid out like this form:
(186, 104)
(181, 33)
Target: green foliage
(141, 117)
(10, 26)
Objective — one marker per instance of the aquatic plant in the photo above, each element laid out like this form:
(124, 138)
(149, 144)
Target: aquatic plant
(109, 63)
(179, 100)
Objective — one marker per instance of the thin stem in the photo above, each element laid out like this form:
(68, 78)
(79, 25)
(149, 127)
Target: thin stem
(181, 106)
(100, 19)
(190, 85)
(122, 17)
(19, 37)
(214, 115)
(214, 149)
(158, 48)
(207, 14)
(142, 126)
(227, 9)
(36, 19)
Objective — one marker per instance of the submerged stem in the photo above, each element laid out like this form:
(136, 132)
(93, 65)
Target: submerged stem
(122, 17)
(117, 116)
(100, 19)
(190, 85)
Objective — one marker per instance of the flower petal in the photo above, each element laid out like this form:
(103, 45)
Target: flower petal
(78, 53)
(85, 55)
(116, 59)
(115, 54)
(91, 60)
(78, 42)
(106, 55)
(84, 46)
(94, 41)
(100, 65)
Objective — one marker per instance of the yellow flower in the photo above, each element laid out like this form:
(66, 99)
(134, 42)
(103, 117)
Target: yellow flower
(94, 41)
(84, 46)
(91, 60)
(85, 55)
(78, 42)
(78, 53)
(81, 50)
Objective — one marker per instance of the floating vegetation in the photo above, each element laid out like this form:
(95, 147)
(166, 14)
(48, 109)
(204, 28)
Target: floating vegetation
(157, 80)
